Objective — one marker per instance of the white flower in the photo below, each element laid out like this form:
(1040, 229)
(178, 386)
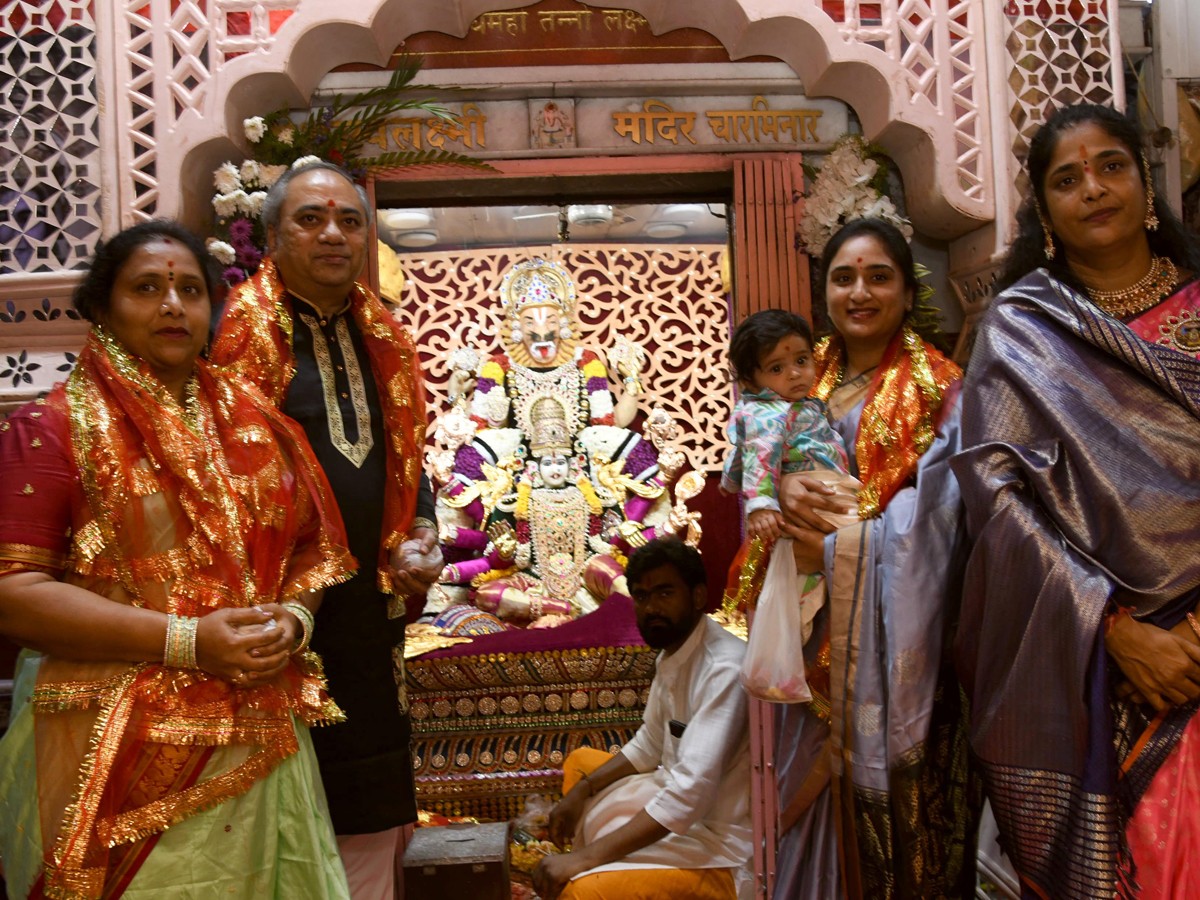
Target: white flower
(255, 128)
(268, 175)
(225, 205)
(251, 173)
(286, 134)
(221, 251)
(842, 192)
(225, 178)
(254, 203)
(305, 160)
(464, 358)
(240, 200)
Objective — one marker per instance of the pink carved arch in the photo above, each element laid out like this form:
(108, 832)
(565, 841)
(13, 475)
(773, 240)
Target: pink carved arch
(937, 137)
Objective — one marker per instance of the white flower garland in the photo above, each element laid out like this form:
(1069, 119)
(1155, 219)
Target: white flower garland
(843, 191)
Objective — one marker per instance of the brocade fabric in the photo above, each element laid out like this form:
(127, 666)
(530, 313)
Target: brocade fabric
(255, 340)
(876, 792)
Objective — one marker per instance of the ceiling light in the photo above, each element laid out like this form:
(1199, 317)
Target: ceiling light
(685, 212)
(406, 219)
(424, 238)
(666, 229)
(591, 214)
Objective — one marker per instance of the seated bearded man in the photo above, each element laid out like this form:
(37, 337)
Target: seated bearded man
(669, 815)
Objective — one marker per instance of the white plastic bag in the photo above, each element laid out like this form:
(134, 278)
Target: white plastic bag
(774, 665)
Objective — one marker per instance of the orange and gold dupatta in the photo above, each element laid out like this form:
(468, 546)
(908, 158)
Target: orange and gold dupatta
(254, 340)
(188, 508)
(900, 412)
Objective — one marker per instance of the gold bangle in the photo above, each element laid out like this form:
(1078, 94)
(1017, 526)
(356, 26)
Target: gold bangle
(422, 522)
(304, 614)
(180, 649)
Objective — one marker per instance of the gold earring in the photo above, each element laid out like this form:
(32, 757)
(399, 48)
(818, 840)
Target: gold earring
(1151, 221)
(1049, 235)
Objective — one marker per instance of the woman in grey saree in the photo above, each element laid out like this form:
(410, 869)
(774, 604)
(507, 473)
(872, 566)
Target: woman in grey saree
(875, 794)
(1081, 481)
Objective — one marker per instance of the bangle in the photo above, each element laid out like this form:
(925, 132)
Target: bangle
(588, 782)
(1195, 623)
(422, 522)
(304, 614)
(180, 649)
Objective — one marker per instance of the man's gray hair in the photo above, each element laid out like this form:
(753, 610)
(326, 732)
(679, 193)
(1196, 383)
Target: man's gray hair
(273, 205)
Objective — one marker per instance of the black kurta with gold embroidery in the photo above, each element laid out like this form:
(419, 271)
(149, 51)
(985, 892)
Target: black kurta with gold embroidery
(366, 762)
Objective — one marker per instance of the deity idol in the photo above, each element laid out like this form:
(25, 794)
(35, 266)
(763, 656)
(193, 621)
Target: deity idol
(540, 352)
(543, 488)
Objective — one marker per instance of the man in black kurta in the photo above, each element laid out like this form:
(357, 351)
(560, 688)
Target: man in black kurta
(330, 355)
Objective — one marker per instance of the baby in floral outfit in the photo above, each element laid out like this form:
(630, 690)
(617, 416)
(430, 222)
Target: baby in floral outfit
(777, 429)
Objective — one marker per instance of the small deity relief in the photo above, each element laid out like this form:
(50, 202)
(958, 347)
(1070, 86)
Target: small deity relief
(542, 487)
(551, 124)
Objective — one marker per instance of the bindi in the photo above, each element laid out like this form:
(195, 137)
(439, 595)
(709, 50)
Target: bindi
(330, 204)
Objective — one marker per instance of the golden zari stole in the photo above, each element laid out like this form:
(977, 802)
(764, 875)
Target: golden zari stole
(899, 415)
(213, 503)
(255, 341)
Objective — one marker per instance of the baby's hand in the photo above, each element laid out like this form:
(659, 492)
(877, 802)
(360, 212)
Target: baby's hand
(765, 523)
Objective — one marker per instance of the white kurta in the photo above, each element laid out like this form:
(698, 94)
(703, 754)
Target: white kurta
(696, 785)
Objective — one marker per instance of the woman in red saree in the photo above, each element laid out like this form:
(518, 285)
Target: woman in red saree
(164, 537)
(1079, 643)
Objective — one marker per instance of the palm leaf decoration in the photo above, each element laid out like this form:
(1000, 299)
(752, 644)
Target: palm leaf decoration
(340, 130)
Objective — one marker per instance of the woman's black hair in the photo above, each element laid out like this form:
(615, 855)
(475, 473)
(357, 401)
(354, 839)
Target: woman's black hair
(1027, 251)
(924, 316)
(94, 294)
(757, 336)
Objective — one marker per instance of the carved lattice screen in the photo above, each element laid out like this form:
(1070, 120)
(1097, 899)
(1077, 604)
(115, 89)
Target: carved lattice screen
(669, 300)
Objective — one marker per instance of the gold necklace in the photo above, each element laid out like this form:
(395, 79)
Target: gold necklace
(1150, 290)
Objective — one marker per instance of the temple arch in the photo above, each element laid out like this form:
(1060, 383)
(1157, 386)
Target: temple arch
(925, 113)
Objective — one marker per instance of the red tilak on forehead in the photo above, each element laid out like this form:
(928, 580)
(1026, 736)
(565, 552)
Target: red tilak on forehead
(170, 263)
(330, 203)
(859, 261)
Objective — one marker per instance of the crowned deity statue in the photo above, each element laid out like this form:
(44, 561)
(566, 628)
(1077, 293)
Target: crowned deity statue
(543, 488)
(541, 352)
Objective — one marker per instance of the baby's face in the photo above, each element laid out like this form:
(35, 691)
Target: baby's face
(787, 368)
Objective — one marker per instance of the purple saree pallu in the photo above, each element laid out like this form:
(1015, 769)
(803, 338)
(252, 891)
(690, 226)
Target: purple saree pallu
(1081, 483)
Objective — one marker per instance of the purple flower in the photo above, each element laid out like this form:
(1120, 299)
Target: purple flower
(468, 462)
(597, 383)
(233, 275)
(240, 229)
(250, 258)
(483, 385)
(640, 458)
